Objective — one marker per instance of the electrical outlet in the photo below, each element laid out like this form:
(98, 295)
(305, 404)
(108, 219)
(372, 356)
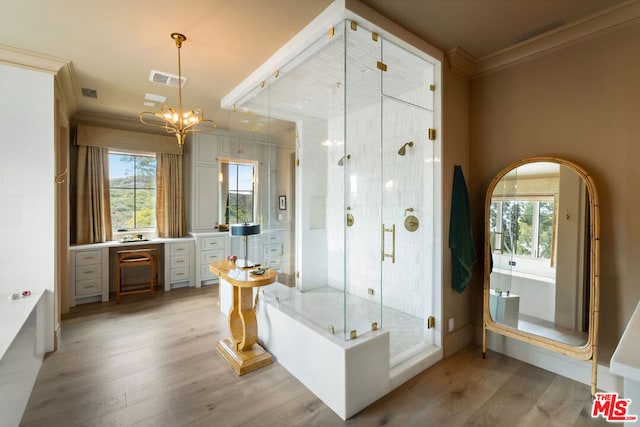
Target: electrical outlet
(451, 324)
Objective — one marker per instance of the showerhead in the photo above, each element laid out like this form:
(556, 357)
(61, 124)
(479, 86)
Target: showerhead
(403, 150)
(341, 161)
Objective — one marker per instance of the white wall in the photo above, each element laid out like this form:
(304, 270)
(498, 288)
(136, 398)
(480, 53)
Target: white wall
(27, 230)
(26, 180)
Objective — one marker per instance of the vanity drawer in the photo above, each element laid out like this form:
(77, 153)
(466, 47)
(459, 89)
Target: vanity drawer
(179, 274)
(180, 261)
(179, 249)
(88, 287)
(207, 274)
(210, 256)
(88, 257)
(270, 238)
(272, 250)
(273, 263)
(216, 242)
(87, 272)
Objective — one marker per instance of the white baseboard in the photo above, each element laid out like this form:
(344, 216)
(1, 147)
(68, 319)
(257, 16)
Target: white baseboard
(577, 370)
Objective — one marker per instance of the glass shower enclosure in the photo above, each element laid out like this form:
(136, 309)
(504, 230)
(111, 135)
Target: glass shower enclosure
(367, 185)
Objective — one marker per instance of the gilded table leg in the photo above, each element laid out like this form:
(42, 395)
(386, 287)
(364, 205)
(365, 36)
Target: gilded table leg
(241, 351)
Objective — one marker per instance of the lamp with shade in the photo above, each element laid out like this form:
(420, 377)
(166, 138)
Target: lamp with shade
(245, 230)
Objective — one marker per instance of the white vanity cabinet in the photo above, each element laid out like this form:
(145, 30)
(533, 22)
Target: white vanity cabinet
(210, 247)
(89, 274)
(178, 264)
(273, 248)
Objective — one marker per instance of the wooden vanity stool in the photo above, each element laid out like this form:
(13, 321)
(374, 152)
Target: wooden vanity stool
(136, 258)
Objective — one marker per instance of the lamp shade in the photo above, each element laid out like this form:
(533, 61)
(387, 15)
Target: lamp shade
(246, 229)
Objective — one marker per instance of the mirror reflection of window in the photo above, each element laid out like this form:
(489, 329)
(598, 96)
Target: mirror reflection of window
(238, 191)
(527, 227)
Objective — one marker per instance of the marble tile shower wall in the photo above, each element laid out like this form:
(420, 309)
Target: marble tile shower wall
(404, 283)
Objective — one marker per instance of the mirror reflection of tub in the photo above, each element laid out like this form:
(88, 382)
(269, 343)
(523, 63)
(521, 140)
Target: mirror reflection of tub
(541, 257)
(538, 240)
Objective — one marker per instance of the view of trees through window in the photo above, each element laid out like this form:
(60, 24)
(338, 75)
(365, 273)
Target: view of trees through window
(526, 228)
(132, 181)
(240, 197)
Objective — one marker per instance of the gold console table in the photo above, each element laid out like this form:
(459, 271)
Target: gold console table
(242, 351)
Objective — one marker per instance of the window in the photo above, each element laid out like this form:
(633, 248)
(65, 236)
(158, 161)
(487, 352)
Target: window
(240, 192)
(132, 183)
(526, 228)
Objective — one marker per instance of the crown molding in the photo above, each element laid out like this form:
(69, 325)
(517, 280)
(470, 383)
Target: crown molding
(596, 25)
(59, 67)
(66, 87)
(31, 60)
(461, 62)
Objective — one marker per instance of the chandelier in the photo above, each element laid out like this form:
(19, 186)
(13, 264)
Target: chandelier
(180, 123)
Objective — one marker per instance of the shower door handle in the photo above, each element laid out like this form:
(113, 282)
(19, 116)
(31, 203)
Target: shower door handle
(392, 255)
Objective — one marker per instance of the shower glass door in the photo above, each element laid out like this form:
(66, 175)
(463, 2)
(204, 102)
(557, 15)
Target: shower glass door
(407, 200)
(362, 182)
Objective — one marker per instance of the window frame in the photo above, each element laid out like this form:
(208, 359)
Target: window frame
(226, 179)
(153, 228)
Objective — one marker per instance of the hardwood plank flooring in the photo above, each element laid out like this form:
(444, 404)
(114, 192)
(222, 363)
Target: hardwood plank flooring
(154, 363)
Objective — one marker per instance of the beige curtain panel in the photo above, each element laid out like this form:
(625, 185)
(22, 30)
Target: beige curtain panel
(93, 216)
(170, 205)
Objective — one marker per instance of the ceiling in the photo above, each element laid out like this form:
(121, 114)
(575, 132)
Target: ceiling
(113, 45)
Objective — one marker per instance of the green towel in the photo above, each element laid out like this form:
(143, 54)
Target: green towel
(463, 252)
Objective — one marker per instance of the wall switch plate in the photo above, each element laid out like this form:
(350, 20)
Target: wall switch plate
(451, 324)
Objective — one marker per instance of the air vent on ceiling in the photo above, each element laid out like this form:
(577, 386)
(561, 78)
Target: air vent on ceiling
(89, 93)
(166, 79)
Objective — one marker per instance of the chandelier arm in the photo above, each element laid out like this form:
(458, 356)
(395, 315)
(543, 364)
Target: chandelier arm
(166, 125)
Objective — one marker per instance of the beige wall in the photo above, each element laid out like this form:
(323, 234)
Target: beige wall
(581, 103)
(455, 151)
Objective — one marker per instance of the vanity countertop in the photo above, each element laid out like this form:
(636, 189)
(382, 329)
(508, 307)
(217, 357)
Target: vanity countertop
(625, 361)
(112, 243)
(14, 313)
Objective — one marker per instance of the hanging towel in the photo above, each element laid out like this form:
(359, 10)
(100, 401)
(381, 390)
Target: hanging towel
(463, 253)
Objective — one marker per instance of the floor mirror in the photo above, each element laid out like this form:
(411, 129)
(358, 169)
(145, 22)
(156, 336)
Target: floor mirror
(541, 264)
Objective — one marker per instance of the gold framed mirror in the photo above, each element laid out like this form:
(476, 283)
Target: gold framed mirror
(541, 264)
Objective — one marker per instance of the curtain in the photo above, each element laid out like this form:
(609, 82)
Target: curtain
(93, 207)
(170, 205)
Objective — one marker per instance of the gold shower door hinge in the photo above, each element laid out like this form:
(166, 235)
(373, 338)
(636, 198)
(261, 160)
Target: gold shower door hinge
(432, 88)
(354, 25)
(382, 66)
(297, 162)
(432, 134)
(431, 322)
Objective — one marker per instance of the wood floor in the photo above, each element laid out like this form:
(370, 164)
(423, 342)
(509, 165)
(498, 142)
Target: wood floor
(153, 363)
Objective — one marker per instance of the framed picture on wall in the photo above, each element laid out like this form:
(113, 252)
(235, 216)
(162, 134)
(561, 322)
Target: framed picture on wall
(282, 202)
